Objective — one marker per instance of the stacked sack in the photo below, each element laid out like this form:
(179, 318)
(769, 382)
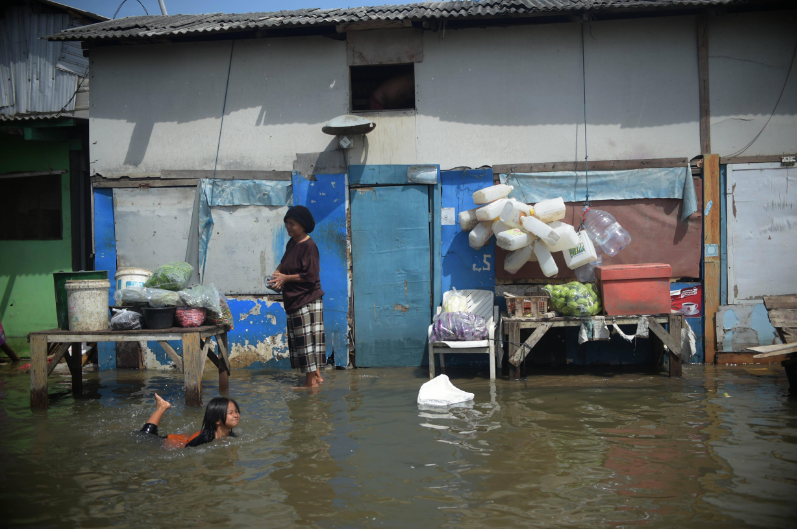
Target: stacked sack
(528, 232)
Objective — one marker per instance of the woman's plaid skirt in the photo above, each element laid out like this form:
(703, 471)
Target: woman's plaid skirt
(306, 339)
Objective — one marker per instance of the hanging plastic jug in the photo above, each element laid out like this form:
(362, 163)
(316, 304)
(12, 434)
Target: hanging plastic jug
(586, 273)
(492, 210)
(514, 211)
(468, 220)
(568, 238)
(550, 210)
(479, 235)
(513, 239)
(606, 231)
(582, 254)
(547, 264)
(515, 260)
(489, 194)
(547, 234)
(499, 227)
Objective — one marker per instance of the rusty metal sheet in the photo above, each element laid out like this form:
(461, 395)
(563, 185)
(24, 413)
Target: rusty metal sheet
(658, 236)
(393, 46)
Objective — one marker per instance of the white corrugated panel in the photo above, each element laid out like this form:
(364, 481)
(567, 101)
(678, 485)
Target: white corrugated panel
(31, 83)
(71, 58)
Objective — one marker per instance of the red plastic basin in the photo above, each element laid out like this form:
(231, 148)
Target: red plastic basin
(635, 289)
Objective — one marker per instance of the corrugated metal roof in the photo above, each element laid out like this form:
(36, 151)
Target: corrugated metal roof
(30, 82)
(176, 25)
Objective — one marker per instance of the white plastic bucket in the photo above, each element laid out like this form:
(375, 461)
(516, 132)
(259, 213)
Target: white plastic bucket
(131, 277)
(87, 304)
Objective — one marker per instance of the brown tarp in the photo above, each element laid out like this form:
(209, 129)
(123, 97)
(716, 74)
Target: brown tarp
(657, 236)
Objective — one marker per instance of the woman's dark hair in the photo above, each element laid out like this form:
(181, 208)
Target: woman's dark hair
(215, 412)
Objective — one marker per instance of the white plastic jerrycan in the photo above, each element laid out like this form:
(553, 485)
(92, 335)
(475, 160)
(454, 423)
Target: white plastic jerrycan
(515, 260)
(513, 239)
(537, 227)
(489, 194)
(568, 238)
(499, 227)
(550, 210)
(582, 254)
(479, 235)
(491, 211)
(513, 211)
(468, 220)
(547, 264)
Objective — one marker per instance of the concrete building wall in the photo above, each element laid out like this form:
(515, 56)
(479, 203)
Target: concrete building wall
(750, 57)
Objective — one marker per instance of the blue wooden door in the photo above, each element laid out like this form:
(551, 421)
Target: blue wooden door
(391, 274)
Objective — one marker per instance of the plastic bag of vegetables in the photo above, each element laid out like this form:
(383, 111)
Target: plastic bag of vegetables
(202, 296)
(575, 299)
(171, 276)
(224, 318)
(154, 297)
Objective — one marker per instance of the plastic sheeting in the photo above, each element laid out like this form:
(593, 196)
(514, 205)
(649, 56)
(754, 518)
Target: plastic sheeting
(606, 185)
(216, 193)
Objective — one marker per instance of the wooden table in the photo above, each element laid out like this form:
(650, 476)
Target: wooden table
(662, 340)
(196, 347)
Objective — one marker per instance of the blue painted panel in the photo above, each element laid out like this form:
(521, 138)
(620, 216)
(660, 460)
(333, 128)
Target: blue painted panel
(464, 267)
(326, 200)
(391, 274)
(105, 259)
(380, 174)
(436, 243)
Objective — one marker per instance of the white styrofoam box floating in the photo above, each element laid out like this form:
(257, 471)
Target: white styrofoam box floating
(468, 220)
(513, 211)
(479, 235)
(535, 226)
(489, 194)
(515, 260)
(513, 239)
(492, 210)
(582, 254)
(544, 257)
(568, 238)
(440, 392)
(550, 210)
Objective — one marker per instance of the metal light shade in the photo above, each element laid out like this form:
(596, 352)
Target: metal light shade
(348, 124)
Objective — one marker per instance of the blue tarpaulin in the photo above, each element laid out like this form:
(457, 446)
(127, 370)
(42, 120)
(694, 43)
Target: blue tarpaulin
(215, 193)
(606, 185)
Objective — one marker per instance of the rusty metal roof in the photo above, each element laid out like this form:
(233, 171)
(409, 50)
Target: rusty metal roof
(146, 27)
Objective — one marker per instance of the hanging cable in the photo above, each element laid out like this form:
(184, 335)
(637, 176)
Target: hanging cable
(123, 3)
(586, 150)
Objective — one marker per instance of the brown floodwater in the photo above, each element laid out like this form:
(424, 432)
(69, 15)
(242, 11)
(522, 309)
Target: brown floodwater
(560, 449)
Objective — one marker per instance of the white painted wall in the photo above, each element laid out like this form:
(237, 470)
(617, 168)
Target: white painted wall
(749, 59)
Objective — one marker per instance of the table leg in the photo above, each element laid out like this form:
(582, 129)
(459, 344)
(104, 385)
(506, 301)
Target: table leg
(676, 323)
(224, 384)
(513, 334)
(76, 367)
(38, 371)
(193, 364)
(791, 373)
(657, 362)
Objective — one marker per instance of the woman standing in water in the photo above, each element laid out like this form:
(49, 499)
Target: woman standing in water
(297, 277)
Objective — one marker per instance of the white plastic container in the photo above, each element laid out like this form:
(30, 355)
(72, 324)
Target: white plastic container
(513, 239)
(489, 194)
(515, 260)
(499, 227)
(131, 277)
(491, 211)
(537, 227)
(513, 211)
(550, 210)
(547, 264)
(568, 238)
(582, 254)
(479, 235)
(468, 220)
(87, 304)
(606, 231)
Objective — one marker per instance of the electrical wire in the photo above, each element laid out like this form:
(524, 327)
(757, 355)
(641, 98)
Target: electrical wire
(586, 144)
(123, 3)
(785, 83)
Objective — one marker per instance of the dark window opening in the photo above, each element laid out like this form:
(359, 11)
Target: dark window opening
(383, 87)
(31, 208)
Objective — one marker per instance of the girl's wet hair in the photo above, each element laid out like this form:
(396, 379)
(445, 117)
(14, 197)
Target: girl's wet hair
(217, 411)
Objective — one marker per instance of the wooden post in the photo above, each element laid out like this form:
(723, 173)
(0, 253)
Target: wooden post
(703, 80)
(10, 352)
(657, 362)
(193, 364)
(676, 359)
(38, 371)
(76, 368)
(513, 333)
(711, 263)
(224, 362)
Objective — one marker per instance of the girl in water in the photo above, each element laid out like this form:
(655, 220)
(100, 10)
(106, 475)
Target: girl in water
(221, 416)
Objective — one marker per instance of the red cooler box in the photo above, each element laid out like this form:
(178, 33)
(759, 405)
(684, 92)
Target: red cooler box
(635, 289)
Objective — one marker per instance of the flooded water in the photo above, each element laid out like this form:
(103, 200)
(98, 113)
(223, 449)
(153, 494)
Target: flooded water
(716, 448)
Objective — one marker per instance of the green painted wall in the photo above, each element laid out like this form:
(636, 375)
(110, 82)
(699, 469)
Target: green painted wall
(27, 298)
